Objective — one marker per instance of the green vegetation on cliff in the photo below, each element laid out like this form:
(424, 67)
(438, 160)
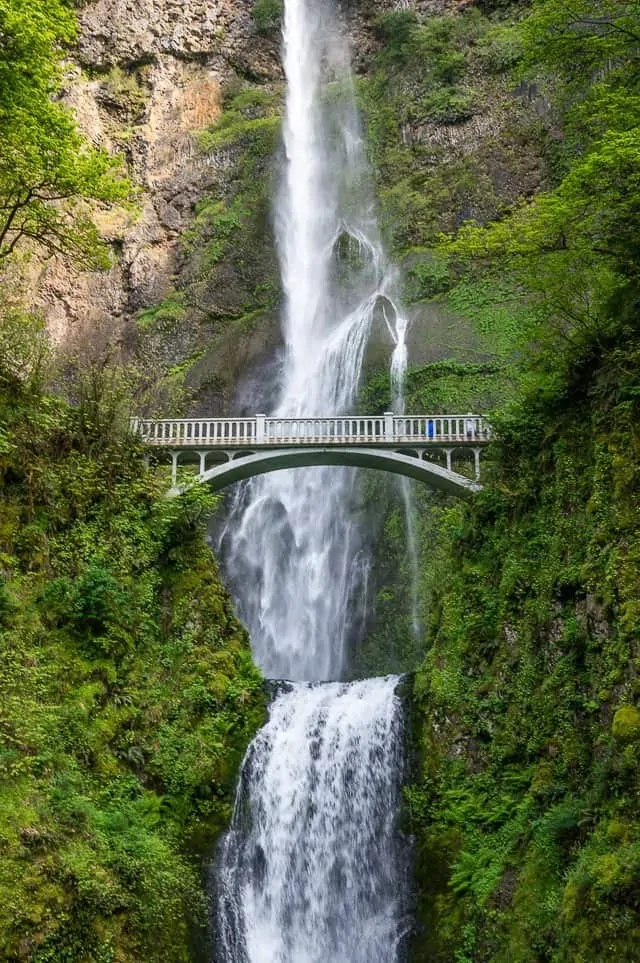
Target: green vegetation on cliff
(47, 170)
(224, 313)
(128, 689)
(526, 811)
(526, 705)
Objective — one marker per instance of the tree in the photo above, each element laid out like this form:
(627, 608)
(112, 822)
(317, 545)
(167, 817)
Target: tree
(577, 245)
(48, 173)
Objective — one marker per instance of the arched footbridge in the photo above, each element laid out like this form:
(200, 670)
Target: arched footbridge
(227, 450)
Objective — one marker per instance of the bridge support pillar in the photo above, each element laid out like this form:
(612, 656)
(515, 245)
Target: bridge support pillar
(476, 462)
(174, 468)
(203, 461)
(447, 454)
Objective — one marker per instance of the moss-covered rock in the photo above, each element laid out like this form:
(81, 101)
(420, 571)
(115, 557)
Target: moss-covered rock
(223, 316)
(626, 724)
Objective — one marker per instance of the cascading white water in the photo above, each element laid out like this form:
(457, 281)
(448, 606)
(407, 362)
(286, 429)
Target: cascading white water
(311, 871)
(312, 868)
(399, 364)
(291, 538)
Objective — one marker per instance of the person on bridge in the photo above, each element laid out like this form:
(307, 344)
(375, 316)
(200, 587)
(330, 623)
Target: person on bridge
(431, 429)
(470, 427)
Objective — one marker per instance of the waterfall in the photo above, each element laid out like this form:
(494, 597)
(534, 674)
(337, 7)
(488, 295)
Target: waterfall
(311, 865)
(311, 870)
(399, 363)
(292, 537)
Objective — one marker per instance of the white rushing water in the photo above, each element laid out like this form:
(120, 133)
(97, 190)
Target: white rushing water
(312, 866)
(312, 870)
(399, 365)
(291, 537)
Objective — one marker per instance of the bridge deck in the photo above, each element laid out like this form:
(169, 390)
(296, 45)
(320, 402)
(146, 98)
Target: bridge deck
(253, 446)
(388, 430)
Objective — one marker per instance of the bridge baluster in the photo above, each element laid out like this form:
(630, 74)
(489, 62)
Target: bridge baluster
(343, 430)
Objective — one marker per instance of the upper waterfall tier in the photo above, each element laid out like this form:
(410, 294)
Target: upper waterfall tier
(292, 539)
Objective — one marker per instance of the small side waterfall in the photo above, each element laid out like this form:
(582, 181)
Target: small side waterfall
(312, 869)
(399, 363)
(312, 864)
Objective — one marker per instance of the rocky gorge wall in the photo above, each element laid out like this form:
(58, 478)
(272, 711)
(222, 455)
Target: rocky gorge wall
(148, 78)
(189, 94)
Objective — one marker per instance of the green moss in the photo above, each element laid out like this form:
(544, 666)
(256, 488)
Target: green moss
(518, 768)
(626, 724)
(129, 693)
(127, 90)
(446, 105)
(170, 313)
(257, 134)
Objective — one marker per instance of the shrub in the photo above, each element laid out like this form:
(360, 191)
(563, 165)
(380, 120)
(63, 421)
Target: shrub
(267, 15)
(447, 106)
(396, 29)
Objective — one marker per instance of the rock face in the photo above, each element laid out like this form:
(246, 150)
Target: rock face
(193, 281)
(148, 79)
(151, 81)
(137, 31)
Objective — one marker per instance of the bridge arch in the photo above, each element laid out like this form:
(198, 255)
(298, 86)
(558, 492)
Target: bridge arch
(264, 461)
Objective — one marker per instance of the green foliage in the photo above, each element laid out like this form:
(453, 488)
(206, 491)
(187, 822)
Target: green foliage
(422, 66)
(442, 70)
(576, 245)
(396, 29)
(528, 779)
(230, 228)
(47, 170)
(500, 49)
(129, 693)
(426, 278)
(171, 313)
(126, 90)
(446, 105)
(500, 310)
(626, 724)
(526, 703)
(267, 15)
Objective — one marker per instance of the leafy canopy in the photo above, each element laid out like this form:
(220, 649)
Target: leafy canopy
(48, 172)
(577, 245)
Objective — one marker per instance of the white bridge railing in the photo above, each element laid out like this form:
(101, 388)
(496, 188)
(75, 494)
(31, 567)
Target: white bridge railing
(259, 431)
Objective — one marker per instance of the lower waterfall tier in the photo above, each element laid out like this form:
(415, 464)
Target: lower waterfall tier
(313, 869)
